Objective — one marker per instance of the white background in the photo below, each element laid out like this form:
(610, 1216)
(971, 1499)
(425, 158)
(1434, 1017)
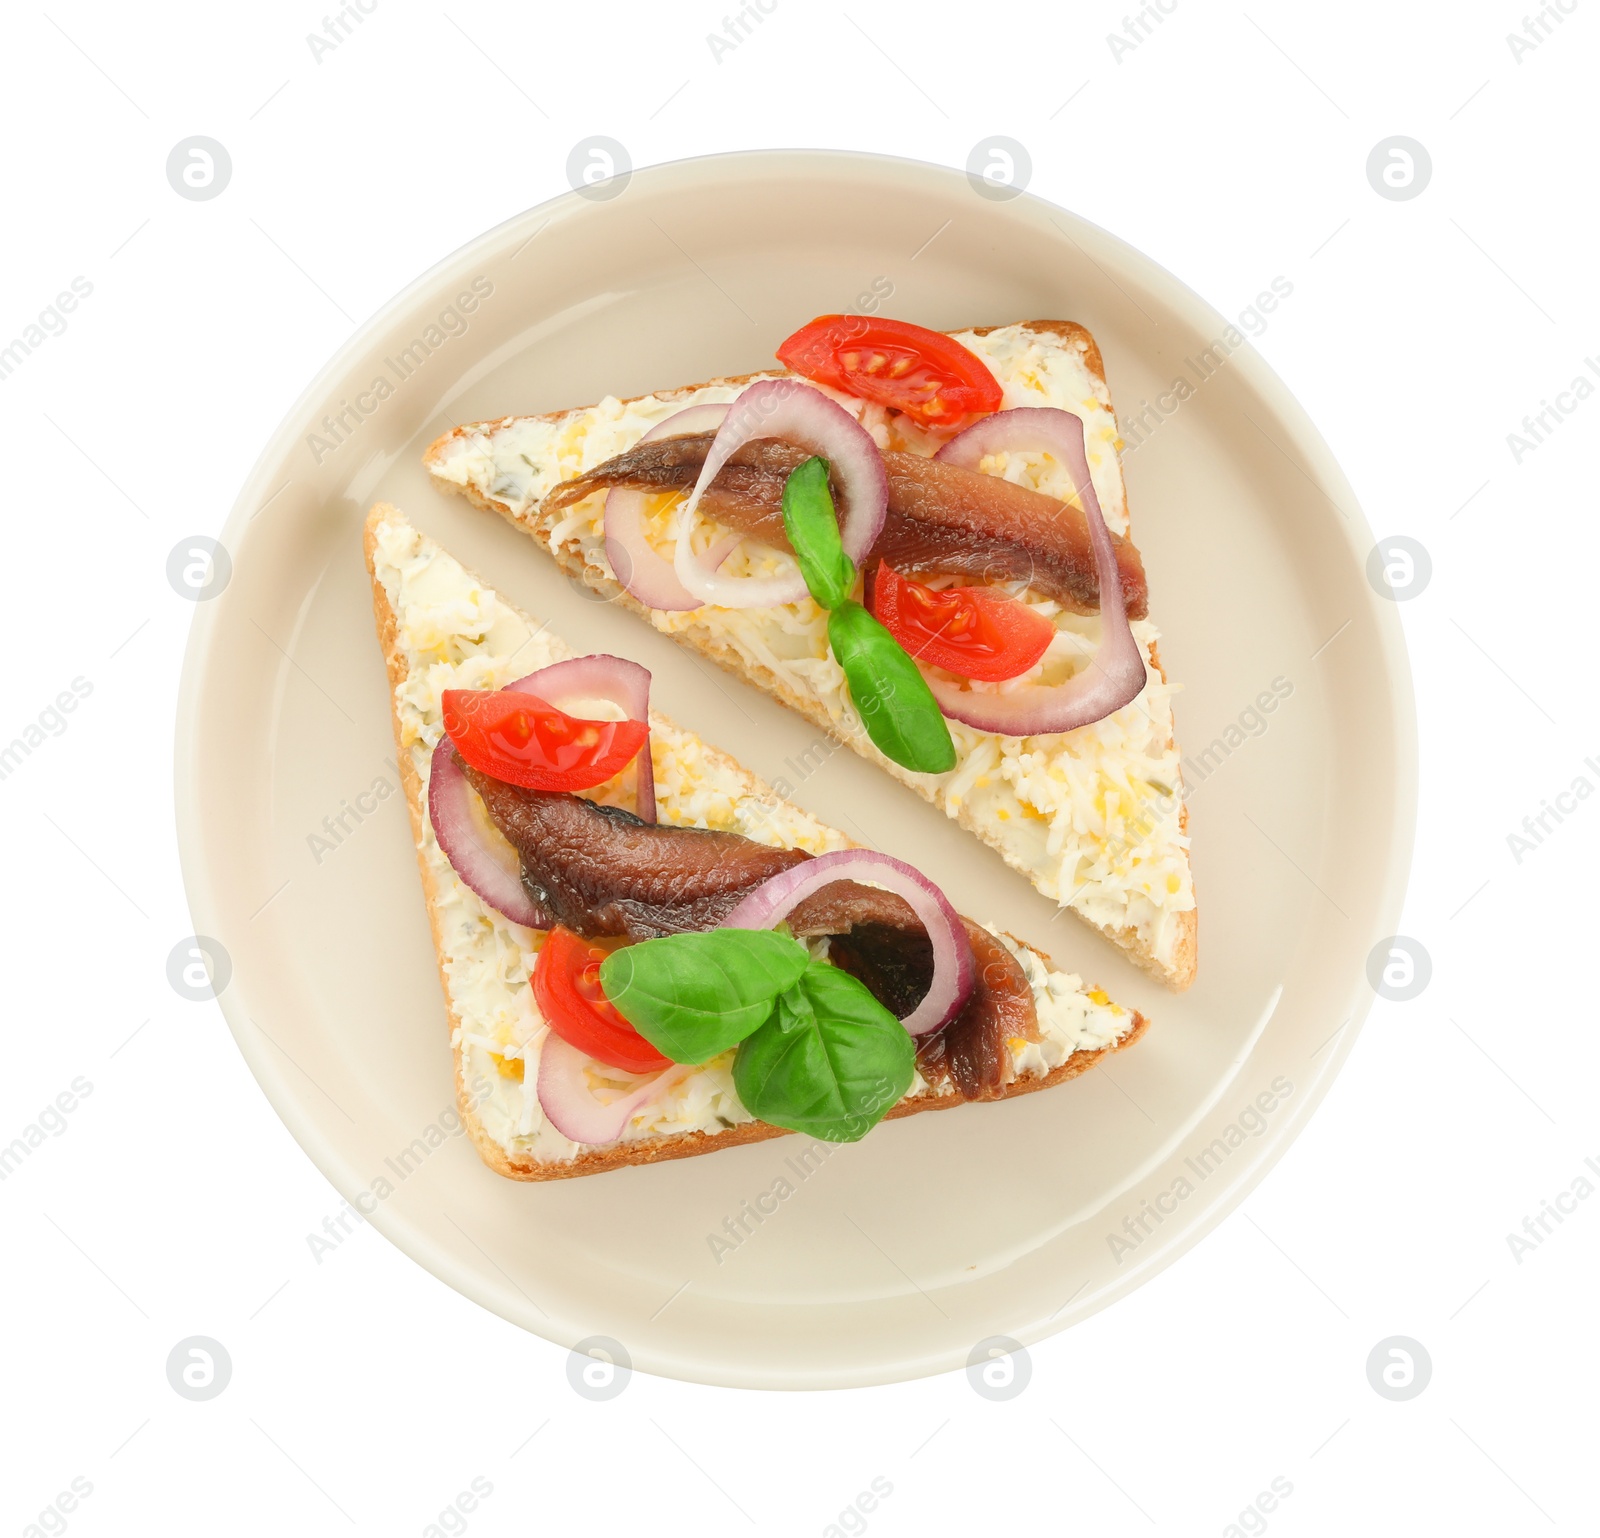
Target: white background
(1231, 147)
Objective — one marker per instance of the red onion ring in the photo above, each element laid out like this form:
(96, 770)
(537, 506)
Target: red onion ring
(492, 870)
(634, 562)
(805, 417)
(571, 1105)
(724, 547)
(954, 971)
(705, 417)
(1116, 672)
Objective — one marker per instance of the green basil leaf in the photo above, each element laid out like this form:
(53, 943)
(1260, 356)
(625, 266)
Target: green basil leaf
(812, 525)
(693, 996)
(830, 1062)
(896, 705)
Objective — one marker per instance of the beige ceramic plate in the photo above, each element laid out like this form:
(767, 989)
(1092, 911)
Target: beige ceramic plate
(896, 1256)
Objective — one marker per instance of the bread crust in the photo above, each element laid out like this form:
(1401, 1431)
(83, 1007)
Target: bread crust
(1178, 976)
(681, 1145)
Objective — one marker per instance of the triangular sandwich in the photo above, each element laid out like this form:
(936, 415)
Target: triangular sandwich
(1093, 816)
(707, 874)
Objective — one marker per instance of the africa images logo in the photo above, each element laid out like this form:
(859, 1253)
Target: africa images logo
(337, 426)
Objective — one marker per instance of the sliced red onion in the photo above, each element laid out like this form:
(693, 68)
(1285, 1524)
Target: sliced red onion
(1116, 672)
(646, 575)
(805, 417)
(1016, 431)
(575, 1111)
(602, 677)
(954, 970)
(479, 856)
(724, 547)
(706, 417)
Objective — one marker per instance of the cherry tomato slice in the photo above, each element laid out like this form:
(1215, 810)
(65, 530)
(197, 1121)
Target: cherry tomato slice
(566, 986)
(935, 381)
(520, 739)
(976, 632)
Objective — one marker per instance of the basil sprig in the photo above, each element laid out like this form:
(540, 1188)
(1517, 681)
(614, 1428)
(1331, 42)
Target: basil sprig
(895, 703)
(830, 1062)
(693, 996)
(812, 525)
(817, 1053)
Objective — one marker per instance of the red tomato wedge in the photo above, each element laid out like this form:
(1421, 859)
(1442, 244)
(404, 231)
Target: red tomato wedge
(935, 381)
(566, 985)
(975, 632)
(520, 739)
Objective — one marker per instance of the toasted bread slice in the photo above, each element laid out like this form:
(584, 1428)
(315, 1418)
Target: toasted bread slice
(442, 628)
(1094, 818)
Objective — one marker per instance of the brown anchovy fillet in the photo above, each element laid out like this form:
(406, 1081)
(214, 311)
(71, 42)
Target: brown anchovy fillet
(601, 871)
(973, 1047)
(941, 520)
